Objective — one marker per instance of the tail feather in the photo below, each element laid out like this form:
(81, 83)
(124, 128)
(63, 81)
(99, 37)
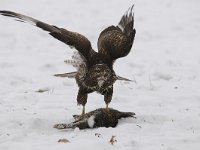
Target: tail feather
(124, 79)
(69, 75)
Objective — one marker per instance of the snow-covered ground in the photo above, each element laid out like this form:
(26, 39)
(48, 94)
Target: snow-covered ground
(164, 61)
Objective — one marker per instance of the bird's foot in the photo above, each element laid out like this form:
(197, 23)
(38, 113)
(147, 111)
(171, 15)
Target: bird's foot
(81, 116)
(76, 117)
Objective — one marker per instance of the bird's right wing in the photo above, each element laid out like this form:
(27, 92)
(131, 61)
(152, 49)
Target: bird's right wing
(73, 39)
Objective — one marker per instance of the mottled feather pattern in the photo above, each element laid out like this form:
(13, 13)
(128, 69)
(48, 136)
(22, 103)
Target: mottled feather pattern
(77, 61)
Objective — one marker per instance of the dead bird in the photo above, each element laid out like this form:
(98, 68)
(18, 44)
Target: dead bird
(97, 118)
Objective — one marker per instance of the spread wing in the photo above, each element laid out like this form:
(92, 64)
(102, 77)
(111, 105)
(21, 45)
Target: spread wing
(73, 39)
(116, 41)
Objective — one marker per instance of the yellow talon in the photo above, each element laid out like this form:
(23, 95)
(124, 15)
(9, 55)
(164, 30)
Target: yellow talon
(107, 109)
(83, 112)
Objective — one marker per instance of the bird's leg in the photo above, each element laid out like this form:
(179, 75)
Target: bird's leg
(82, 99)
(81, 116)
(107, 109)
(83, 111)
(108, 98)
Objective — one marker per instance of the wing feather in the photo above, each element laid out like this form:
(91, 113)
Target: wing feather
(73, 39)
(116, 41)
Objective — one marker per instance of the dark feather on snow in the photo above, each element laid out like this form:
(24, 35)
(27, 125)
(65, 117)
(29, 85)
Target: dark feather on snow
(97, 118)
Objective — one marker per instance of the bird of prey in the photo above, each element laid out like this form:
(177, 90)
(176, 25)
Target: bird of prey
(94, 68)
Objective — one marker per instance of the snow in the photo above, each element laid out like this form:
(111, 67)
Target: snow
(164, 62)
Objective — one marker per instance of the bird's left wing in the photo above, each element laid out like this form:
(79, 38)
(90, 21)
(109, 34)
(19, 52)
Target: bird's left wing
(116, 41)
(73, 39)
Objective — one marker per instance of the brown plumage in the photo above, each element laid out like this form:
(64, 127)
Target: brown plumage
(94, 69)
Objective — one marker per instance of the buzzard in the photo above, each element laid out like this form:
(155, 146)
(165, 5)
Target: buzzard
(94, 69)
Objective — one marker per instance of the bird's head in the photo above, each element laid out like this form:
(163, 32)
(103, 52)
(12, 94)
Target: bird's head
(101, 75)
